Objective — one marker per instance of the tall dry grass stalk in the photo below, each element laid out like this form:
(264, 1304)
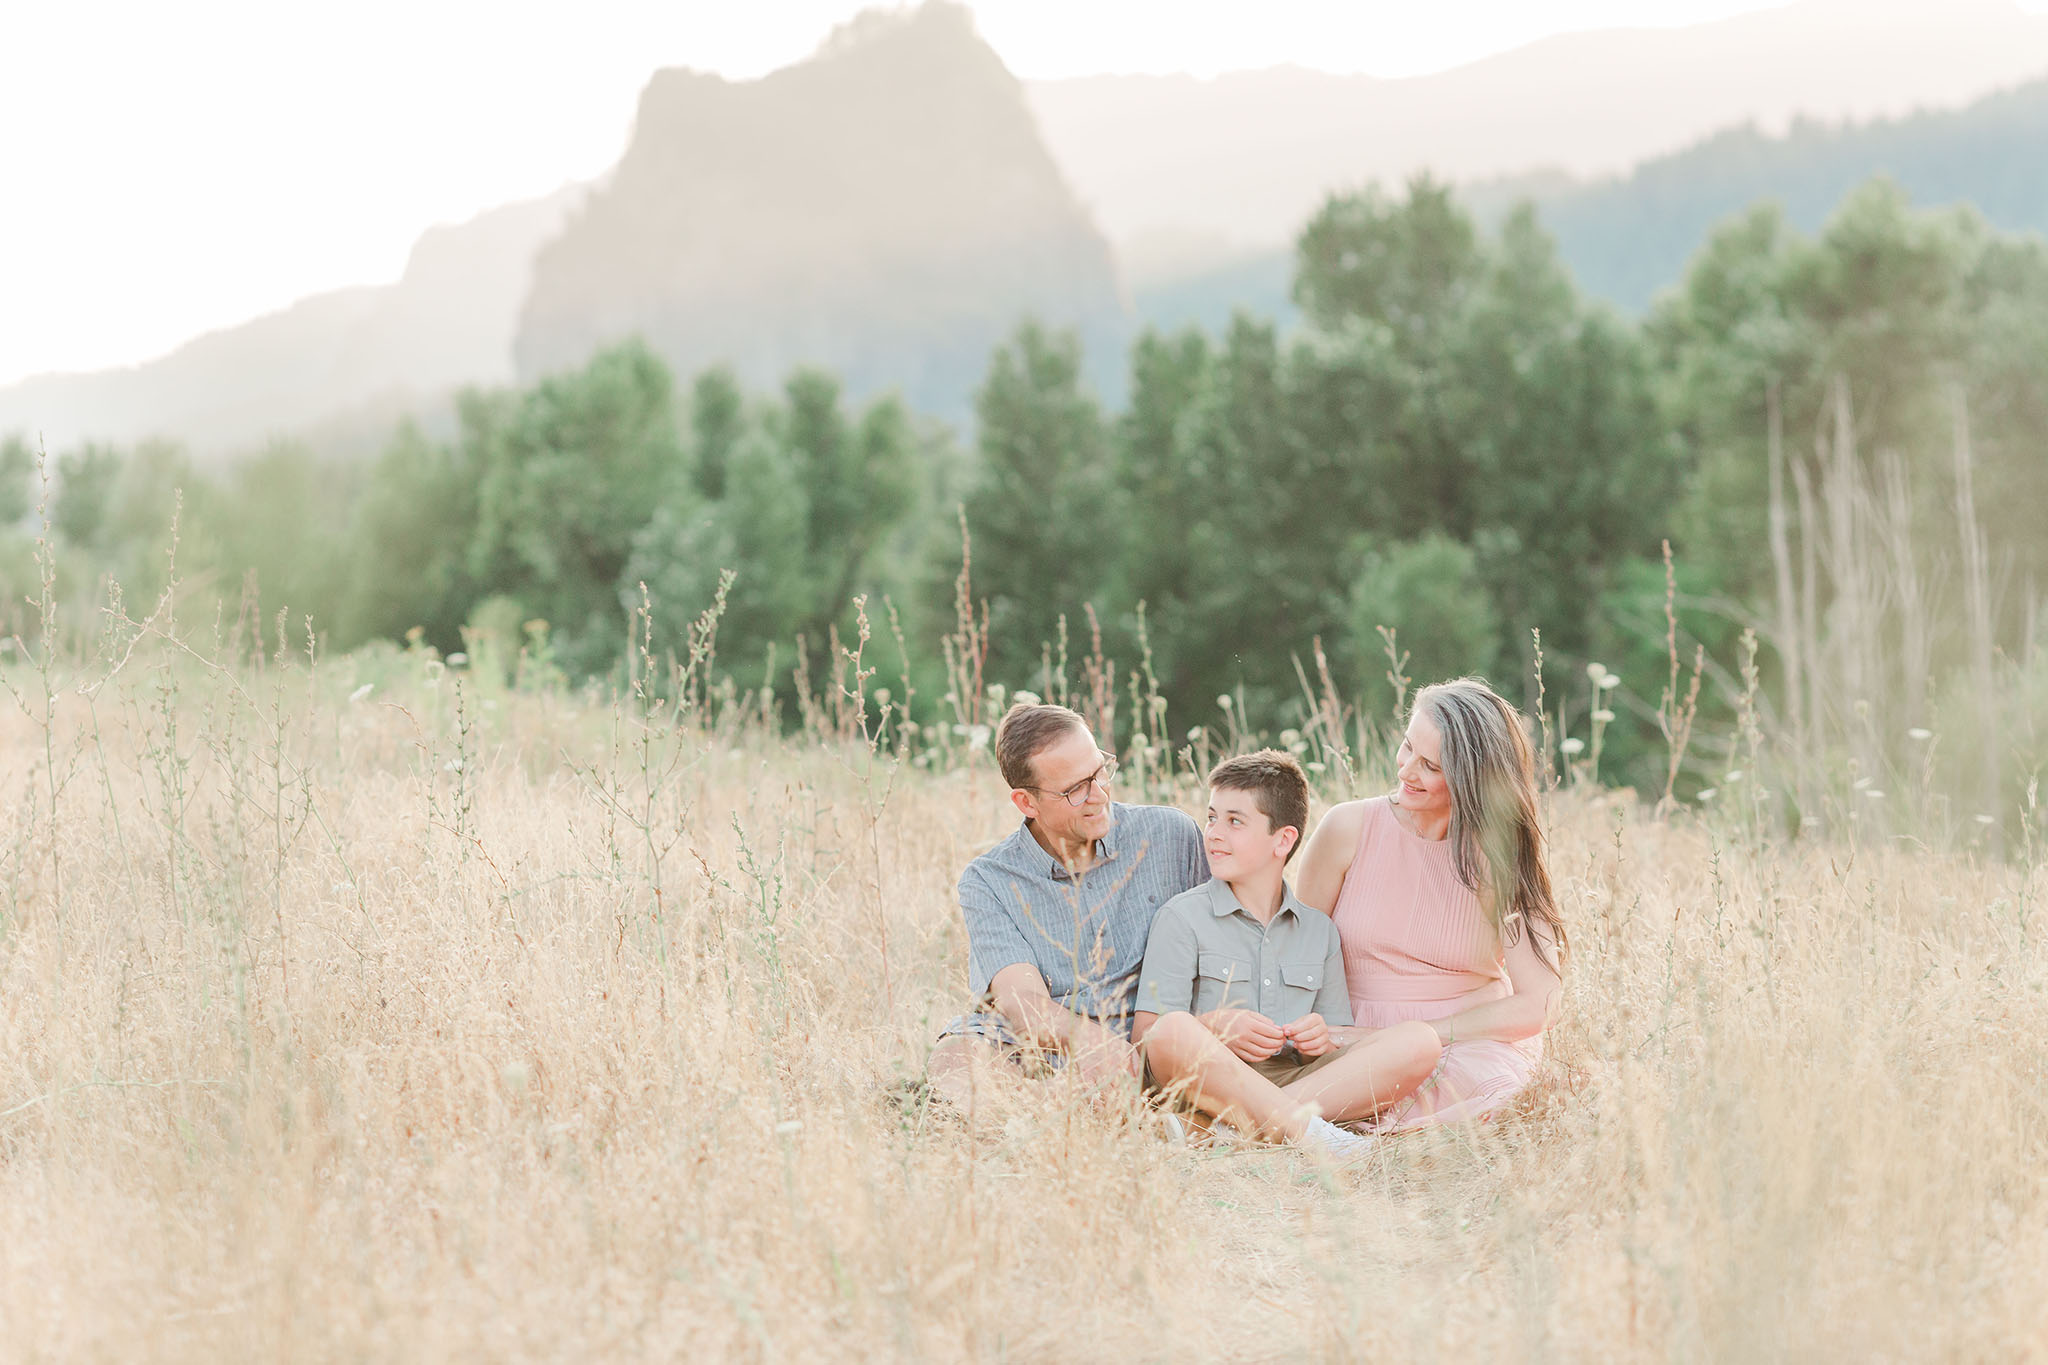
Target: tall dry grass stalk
(586, 1054)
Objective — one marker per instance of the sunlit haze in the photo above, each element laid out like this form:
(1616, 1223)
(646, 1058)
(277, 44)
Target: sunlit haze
(171, 169)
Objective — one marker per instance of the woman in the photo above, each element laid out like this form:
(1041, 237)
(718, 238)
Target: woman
(1442, 903)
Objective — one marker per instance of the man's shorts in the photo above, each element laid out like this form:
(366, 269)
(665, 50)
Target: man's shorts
(994, 1029)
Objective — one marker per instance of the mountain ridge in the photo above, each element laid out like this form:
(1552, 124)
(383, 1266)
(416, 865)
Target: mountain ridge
(1247, 156)
(886, 209)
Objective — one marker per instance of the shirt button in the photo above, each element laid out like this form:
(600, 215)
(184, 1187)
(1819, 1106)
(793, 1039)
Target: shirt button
(1269, 981)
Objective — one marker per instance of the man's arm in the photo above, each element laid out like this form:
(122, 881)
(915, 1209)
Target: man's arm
(1021, 994)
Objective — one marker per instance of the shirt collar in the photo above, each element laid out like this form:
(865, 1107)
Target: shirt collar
(1033, 853)
(1223, 902)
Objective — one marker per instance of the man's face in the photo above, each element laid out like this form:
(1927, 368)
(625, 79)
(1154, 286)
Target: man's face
(1240, 838)
(1067, 765)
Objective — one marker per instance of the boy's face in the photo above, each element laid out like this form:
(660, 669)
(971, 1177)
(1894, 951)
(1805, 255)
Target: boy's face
(1240, 839)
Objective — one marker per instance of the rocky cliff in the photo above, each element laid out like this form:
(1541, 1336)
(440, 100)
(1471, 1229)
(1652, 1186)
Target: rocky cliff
(885, 209)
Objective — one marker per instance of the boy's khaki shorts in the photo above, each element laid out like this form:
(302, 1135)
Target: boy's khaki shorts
(1287, 1065)
(1281, 1068)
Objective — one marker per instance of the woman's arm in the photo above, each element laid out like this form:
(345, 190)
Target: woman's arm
(1328, 855)
(1526, 1013)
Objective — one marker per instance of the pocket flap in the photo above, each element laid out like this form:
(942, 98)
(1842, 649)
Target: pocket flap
(1221, 967)
(1308, 975)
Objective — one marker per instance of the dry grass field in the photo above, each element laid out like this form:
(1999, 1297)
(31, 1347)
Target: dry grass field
(371, 1012)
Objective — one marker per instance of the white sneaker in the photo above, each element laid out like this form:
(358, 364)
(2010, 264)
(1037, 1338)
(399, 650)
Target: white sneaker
(1328, 1139)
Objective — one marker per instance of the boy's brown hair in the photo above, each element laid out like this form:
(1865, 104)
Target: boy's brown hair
(1026, 730)
(1278, 786)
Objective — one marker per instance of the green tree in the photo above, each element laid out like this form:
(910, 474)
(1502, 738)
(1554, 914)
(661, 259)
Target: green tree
(1429, 592)
(858, 481)
(86, 480)
(410, 542)
(17, 466)
(1039, 509)
(758, 530)
(717, 422)
(569, 472)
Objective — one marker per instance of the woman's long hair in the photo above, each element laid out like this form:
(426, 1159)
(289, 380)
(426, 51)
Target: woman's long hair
(1496, 839)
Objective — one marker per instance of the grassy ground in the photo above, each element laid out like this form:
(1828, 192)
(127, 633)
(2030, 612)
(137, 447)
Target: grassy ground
(489, 1026)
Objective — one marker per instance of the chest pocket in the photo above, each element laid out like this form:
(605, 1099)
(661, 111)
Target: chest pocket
(1302, 981)
(1224, 982)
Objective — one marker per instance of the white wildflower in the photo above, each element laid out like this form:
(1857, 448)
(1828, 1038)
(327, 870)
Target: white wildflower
(453, 765)
(365, 690)
(1706, 794)
(457, 659)
(882, 696)
(977, 736)
(1917, 733)
(1873, 793)
(1224, 701)
(1987, 819)
(1731, 777)
(1023, 698)
(1571, 746)
(1290, 738)
(1610, 680)
(1603, 717)
(1596, 671)
(1195, 735)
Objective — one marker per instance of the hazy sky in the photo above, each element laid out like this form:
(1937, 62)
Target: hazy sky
(171, 168)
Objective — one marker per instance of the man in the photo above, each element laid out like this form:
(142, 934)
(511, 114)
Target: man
(1058, 913)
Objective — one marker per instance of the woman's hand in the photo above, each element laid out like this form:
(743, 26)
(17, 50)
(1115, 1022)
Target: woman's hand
(1310, 1035)
(1249, 1034)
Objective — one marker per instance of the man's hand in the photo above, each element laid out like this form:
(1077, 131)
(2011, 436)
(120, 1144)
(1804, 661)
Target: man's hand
(1251, 1035)
(1310, 1036)
(1106, 1059)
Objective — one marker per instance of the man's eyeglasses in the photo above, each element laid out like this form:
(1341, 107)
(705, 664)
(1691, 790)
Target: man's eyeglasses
(1077, 795)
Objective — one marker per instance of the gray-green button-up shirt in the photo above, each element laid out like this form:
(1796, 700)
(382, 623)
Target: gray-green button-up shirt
(1207, 952)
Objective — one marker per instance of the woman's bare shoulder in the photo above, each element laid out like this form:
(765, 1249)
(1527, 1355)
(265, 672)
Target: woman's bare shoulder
(1349, 814)
(1339, 828)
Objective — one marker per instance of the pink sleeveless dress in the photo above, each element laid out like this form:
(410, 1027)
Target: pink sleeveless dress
(1417, 945)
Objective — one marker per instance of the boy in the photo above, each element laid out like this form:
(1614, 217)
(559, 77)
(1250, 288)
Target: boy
(1241, 1005)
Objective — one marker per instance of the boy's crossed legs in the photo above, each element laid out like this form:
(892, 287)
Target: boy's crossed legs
(1356, 1082)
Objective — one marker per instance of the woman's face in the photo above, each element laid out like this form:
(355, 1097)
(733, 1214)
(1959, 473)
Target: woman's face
(1419, 764)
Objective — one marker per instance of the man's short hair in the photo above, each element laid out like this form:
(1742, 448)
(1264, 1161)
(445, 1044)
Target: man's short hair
(1027, 730)
(1278, 786)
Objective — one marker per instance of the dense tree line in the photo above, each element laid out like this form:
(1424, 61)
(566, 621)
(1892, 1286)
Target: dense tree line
(1453, 443)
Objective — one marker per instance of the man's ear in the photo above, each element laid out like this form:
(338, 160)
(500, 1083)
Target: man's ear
(1026, 805)
(1289, 837)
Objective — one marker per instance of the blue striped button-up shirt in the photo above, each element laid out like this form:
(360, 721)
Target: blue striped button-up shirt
(1086, 934)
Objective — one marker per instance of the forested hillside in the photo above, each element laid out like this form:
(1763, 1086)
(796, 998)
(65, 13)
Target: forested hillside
(1454, 444)
(1628, 237)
